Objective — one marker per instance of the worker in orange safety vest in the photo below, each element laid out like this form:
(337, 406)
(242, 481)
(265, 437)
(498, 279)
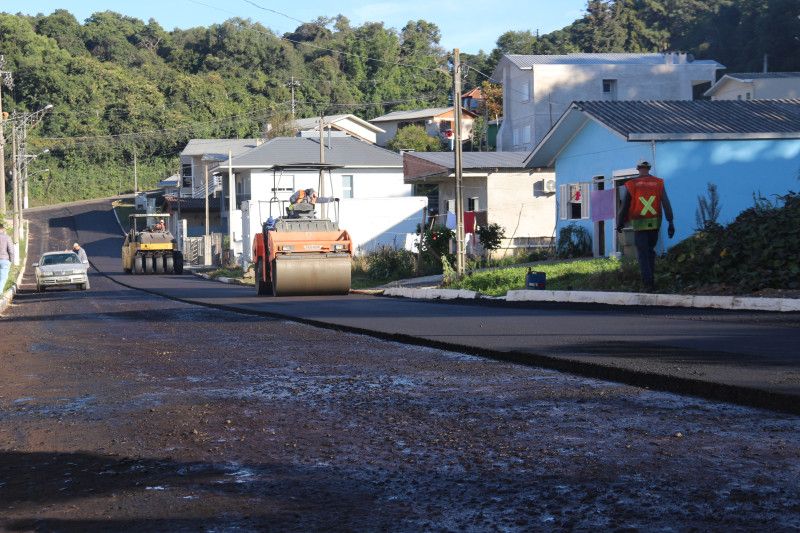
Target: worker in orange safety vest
(644, 198)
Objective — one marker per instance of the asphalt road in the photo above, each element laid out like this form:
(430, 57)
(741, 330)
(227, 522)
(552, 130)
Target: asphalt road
(746, 357)
(121, 410)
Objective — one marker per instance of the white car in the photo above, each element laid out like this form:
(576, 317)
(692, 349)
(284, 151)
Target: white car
(59, 269)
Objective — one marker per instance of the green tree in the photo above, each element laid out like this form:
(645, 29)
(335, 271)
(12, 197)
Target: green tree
(415, 138)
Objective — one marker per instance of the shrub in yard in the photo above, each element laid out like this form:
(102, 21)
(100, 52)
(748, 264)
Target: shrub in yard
(491, 236)
(758, 250)
(574, 241)
(435, 244)
(390, 263)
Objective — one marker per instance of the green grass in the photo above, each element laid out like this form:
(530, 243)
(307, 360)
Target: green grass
(584, 274)
(123, 210)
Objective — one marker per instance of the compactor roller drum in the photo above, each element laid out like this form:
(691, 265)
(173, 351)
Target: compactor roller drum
(302, 257)
(150, 250)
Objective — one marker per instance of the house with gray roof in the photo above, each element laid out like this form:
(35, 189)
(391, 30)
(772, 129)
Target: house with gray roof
(498, 187)
(347, 123)
(756, 86)
(375, 205)
(437, 121)
(537, 89)
(747, 149)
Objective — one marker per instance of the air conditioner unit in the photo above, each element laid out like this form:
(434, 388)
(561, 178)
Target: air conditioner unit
(549, 185)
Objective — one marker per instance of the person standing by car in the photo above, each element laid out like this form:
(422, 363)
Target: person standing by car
(81, 253)
(6, 256)
(643, 200)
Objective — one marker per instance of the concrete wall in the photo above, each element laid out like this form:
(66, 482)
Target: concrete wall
(739, 169)
(511, 199)
(517, 203)
(555, 87)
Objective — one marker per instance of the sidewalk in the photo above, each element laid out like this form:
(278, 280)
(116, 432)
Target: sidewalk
(425, 288)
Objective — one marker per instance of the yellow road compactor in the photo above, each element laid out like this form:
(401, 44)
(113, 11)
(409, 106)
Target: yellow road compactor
(150, 249)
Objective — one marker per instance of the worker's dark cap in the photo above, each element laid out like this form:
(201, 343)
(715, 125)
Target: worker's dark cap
(643, 163)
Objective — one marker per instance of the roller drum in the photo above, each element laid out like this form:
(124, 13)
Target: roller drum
(296, 275)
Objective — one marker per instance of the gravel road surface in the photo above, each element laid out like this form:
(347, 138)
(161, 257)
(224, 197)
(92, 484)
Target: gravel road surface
(122, 410)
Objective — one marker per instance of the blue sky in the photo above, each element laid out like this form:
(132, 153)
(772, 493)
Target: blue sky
(467, 24)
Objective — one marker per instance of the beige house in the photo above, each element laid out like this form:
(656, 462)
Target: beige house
(437, 121)
(349, 124)
(756, 86)
(497, 187)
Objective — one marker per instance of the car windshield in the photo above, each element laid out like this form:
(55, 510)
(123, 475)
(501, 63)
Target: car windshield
(58, 259)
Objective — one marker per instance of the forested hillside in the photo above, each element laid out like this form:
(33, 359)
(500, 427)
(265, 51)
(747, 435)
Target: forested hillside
(121, 86)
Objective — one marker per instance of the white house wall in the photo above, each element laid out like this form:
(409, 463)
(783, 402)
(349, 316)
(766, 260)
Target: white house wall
(389, 133)
(376, 222)
(371, 222)
(355, 128)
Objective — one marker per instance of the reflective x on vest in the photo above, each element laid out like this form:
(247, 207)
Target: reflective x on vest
(647, 204)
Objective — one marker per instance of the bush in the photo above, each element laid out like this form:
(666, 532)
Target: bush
(574, 241)
(758, 250)
(491, 236)
(436, 242)
(387, 263)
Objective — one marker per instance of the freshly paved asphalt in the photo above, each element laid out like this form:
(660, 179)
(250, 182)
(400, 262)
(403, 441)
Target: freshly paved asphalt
(744, 357)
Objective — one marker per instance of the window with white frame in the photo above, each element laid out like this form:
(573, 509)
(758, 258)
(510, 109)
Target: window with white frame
(526, 135)
(473, 204)
(525, 91)
(516, 136)
(347, 186)
(573, 201)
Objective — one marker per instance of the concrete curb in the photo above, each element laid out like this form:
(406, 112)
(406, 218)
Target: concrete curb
(731, 303)
(8, 296)
(734, 303)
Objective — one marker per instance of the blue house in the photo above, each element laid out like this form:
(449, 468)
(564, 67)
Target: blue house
(745, 148)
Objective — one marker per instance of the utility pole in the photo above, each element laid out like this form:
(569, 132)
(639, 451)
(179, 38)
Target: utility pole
(135, 175)
(14, 178)
(324, 207)
(460, 249)
(292, 85)
(8, 81)
(207, 237)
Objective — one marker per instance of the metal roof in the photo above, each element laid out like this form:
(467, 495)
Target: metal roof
(700, 117)
(527, 62)
(674, 120)
(218, 147)
(312, 123)
(414, 114)
(342, 151)
(475, 160)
